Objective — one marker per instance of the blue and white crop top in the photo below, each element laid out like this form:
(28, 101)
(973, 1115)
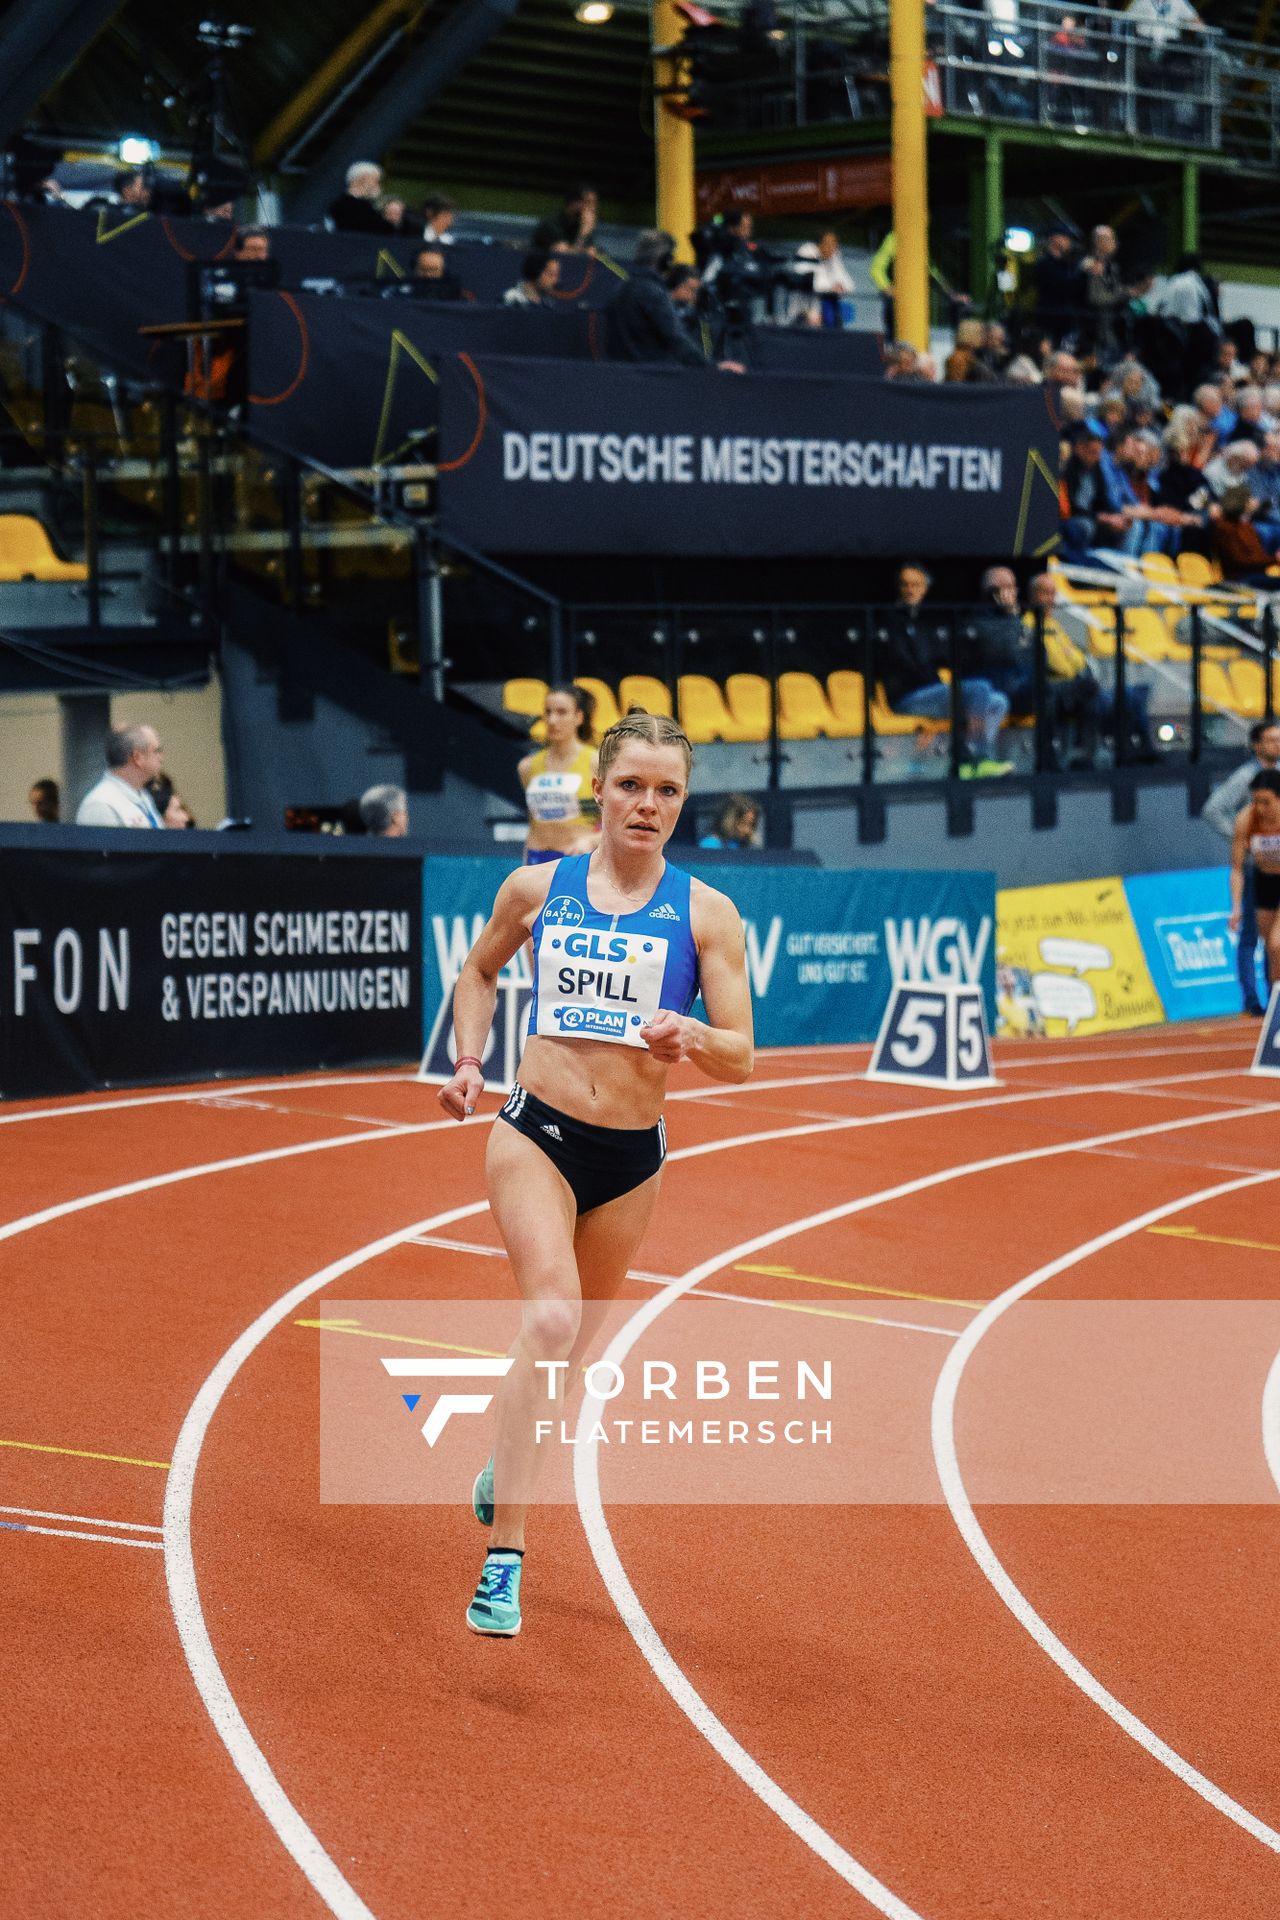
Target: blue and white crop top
(602, 976)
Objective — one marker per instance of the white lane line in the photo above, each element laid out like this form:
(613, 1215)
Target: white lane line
(184, 1596)
(948, 1465)
(84, 1520)
(596, 1525)
(129, 1189)
(215, 1090)
(68, 1533)
(1271, 1420)
(706, 1293)
(1005, 1066)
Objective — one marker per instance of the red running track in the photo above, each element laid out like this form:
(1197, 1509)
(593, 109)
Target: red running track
(910, 1747)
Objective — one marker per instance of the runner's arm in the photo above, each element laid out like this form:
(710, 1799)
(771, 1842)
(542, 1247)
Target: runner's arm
(476, 993)
(722, 1046)
(1239, 847)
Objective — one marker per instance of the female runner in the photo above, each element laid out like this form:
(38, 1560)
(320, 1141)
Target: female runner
(557, 779)
(573, 1164)
(1258, 834)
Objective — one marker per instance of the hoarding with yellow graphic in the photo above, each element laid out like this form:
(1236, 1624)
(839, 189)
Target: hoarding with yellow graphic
(1069, 961)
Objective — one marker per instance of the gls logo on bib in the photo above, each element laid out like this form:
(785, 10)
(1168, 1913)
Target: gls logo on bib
(598, 986)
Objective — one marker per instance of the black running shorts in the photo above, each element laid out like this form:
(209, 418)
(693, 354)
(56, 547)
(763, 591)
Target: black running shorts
(599, 1163)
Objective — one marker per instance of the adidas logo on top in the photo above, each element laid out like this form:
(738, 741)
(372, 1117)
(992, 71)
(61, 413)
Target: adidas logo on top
(665, 912)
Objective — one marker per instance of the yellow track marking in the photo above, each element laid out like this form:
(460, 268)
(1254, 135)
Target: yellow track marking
(81, 1453)
(854, 1286)
(404, 1339)
(1215, 1239)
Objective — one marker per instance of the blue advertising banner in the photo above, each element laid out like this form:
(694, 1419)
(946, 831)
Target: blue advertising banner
(1181, 920)
(823, 949)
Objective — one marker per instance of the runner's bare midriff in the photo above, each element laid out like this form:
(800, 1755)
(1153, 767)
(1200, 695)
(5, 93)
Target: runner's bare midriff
(596, 1081)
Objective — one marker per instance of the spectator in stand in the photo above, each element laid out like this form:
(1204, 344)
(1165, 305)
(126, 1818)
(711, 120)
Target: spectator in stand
(966, 363)
(736, 825)
(1220, 811)
(1233, 467)
(1252, 418)
(45, 801)
(1215, 412)
(1069, 655)
(1110, 414)
(539, 274)
(132, 189)
(1228, 366)
(1237, 546)
(1179, 487)
(1022, 371)
(1106, 297)
(385, 812)
(830, 304)
(1093, 502)
(684, 286)
(640, 321)
(135, 757)
(169, 803)
(1005, 656)
(356, 209)
(252, 246)
(1138, 387)
(1068, 407)
(572, 230)
(438, 215)
(903, 362)
(910, 648)
(1188, 294)
(430, 279)
(1264, 485)
(395, 215)
(1059, 285)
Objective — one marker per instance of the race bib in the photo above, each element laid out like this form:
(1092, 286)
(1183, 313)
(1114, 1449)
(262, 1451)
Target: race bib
(553, 797)
(594, 985)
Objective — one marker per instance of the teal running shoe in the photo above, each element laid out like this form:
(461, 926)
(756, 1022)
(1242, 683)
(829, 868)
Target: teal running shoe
(482, 1494)
(496, 1607)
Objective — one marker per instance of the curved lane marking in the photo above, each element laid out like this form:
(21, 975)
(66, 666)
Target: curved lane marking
(596, 1526)
(214, 1090)
(184, 1596)
(1271, 1420)
(944, 1451)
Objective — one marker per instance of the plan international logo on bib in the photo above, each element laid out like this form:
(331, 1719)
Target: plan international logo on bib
(593, 1022)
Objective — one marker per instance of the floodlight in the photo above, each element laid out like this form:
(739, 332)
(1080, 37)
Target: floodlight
(136, 151)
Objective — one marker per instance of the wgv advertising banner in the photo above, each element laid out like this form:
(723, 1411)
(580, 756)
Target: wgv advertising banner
(823, 949)
(1182, 922)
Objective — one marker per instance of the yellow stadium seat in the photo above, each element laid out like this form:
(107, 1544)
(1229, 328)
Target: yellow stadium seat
(644, 690)
(1247, 685)
(703, 713)
(803, 712)
(1217, 688)
(606, 707)
(526, 698)
(27, 552)
(1196, 570)
(1146, 637)
(1158, 566)
(885, 721)
(848, 698)
(747, 698)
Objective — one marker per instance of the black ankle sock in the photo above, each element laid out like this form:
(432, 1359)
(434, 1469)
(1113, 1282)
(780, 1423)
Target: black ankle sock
(516, 1550)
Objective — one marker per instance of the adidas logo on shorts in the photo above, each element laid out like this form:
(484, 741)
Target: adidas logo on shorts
(555, 1133)
(665, 912)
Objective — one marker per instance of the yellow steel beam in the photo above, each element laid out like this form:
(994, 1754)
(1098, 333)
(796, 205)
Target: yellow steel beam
(329, 76)
(910, 178)
(673, 137)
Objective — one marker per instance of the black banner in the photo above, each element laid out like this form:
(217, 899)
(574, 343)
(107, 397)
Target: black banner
(539, 457)
(352, 382)
(119, 969)
(814, 350)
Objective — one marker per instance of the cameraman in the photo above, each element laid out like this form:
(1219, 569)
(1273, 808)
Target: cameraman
(641, 321)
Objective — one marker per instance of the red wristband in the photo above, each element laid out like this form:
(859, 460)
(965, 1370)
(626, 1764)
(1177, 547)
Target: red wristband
(469, 1060)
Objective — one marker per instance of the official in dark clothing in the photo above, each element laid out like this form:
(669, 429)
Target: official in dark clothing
(640, 322)
(1060, 289)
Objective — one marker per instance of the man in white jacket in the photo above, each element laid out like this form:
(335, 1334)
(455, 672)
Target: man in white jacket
(120, 799)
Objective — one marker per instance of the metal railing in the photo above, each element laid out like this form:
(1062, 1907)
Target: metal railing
(1082, 69)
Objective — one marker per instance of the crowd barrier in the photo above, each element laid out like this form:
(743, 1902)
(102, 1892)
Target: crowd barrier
(823, 949)
(1100, 956)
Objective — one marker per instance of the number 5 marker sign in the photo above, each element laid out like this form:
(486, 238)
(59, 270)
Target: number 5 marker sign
(933, 1036)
